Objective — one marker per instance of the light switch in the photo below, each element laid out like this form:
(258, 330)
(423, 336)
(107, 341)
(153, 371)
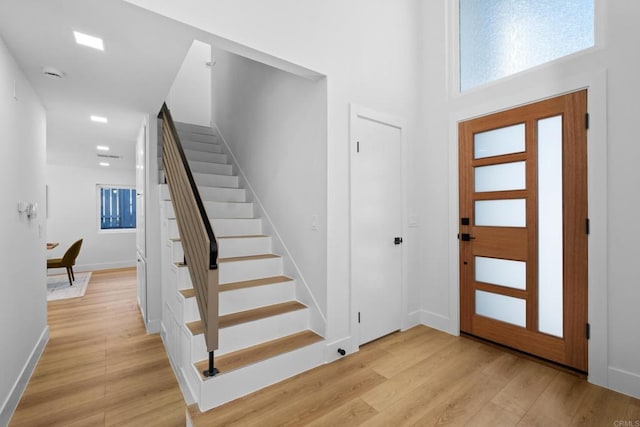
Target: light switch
(314, 222)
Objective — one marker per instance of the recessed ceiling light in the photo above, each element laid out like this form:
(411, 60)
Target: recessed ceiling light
(105, 164)
(87, 40)
(102, 148)
(99, 119)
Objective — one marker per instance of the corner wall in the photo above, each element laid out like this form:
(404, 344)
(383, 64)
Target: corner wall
(73, 215)
(23, 299)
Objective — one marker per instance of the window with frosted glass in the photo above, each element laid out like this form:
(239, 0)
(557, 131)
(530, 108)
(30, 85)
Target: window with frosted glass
(502, 37)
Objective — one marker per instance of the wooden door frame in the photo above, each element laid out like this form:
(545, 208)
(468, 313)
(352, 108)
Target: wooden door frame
(497, 98)
(407, 319)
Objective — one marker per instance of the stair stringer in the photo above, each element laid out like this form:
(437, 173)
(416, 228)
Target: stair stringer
(318, 320)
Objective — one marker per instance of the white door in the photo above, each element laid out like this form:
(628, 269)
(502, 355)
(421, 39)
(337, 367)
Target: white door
(376, 223)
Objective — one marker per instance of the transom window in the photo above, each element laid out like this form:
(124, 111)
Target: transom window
(503, 37)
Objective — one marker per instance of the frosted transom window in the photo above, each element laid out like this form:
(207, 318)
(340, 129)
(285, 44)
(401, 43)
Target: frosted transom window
(502, 37)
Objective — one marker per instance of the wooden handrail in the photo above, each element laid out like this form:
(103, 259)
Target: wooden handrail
(196, 234)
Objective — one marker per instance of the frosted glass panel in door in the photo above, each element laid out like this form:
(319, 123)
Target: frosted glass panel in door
(500, 141)
(502, 177)
(502, 272)
(550, 248)
(501, 307)
(501, 213)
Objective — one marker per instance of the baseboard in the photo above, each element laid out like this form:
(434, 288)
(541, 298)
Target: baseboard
(153, 326)
(105, 266)
(438, 321)
(11, 403)
(624, 382)
(331, 349)
(411, 319)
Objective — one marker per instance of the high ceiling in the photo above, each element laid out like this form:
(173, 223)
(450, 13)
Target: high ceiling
(131, 77)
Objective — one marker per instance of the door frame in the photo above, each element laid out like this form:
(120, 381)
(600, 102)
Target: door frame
(406, 320)
(545, 88)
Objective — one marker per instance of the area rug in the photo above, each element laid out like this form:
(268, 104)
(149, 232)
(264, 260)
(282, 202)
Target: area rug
(58, 286)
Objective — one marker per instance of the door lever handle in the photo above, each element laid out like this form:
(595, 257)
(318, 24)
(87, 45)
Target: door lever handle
(466, 237)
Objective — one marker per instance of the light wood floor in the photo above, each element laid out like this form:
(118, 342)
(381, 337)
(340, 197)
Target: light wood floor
(423, 377)
(100, 368)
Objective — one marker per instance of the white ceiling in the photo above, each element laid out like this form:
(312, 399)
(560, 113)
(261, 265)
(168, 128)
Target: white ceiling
(143, 53)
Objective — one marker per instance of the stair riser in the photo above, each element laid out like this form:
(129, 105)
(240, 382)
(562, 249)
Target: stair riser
(237, 227)
(223, 227)
(245, 246)
(211, 168)
(227, 387)
(183, 278)
(203, 135)
(227, 248)
(218, 194)
(244, 299)
(172, 229)
(201, 156)
(203, 146)
(252, 333)
(240, 271)
(190, 127)
(229, 209)
(209, 180)
(218, 210)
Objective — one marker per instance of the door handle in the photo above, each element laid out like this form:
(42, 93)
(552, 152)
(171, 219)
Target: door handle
(466, 237)
(397, 240)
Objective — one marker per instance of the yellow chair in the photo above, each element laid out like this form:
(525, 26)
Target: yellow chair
(67, 261)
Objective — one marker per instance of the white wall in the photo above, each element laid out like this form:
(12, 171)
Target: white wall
(368, 51)
(189, 98)
(73, 215)
(275, 125)
(610, 73)
(23, 299)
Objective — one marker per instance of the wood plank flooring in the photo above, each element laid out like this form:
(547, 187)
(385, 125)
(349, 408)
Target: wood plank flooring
(423, 377)
(100, 368)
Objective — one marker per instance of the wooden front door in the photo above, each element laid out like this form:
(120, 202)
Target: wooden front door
(523, 228)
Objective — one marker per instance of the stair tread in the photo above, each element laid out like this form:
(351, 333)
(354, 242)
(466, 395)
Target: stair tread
(248, 356)
(191, 293)
(249, 315)
(248, 258)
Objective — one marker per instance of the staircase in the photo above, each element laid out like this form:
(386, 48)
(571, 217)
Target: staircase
(264, 334)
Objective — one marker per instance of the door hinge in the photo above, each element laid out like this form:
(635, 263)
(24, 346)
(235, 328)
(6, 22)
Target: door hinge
(358, 317)
(588, 331)
(586, 120)
(587, 226)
